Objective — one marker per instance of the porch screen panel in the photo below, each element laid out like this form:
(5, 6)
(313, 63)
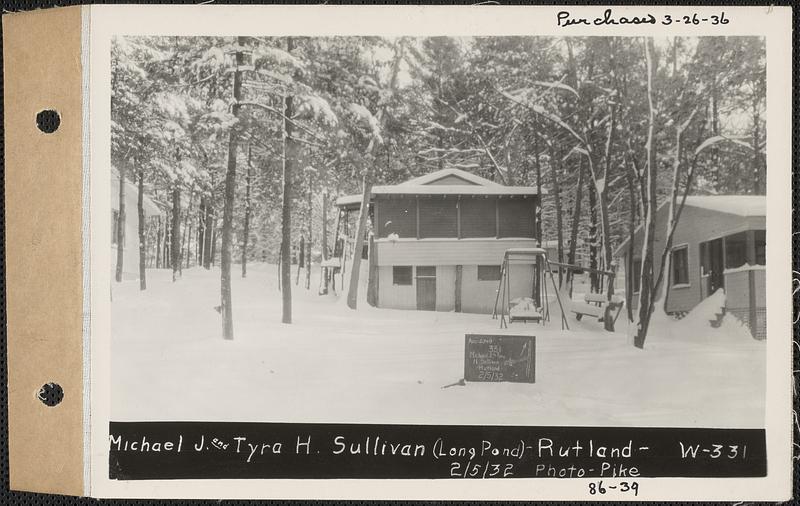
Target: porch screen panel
(760, 238)
(735, 250)
(437, 217)
(516, 217)
(397, 216)
(478, 217)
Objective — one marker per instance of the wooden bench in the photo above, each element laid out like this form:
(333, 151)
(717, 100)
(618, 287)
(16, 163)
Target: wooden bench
(597, 305)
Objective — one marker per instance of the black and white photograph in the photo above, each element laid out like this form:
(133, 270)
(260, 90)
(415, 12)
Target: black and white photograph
(304, 229)
(401, 252)
(354, 253)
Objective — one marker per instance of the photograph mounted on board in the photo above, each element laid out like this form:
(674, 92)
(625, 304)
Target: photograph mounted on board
(309, 229)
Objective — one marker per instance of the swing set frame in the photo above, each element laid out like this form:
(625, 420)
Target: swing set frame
(526, 256)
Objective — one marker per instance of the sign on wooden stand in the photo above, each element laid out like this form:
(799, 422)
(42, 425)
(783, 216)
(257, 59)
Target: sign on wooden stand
(498, 358)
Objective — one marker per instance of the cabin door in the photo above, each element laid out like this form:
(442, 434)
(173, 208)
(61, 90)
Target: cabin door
(716, 266)
(426, 288)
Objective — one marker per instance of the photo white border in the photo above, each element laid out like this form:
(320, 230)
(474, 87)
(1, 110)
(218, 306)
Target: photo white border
(774, 23)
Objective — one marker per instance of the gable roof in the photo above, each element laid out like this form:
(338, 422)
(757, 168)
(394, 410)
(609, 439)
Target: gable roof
(466, 177)
(431, 184)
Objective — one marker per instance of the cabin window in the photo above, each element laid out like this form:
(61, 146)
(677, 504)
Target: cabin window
(438, 217)
(488, 273)
(401, 275)
(636, 275)
(760, 238)
(114, 226)
(478, 217)
(735, 250)
(516, 217)
(680, 265)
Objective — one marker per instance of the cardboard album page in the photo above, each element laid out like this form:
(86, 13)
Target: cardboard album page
(400, 252)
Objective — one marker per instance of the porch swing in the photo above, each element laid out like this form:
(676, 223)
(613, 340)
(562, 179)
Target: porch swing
(603, 307)
(525, 309)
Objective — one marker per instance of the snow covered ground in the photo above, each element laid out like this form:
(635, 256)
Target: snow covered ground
(373, 365)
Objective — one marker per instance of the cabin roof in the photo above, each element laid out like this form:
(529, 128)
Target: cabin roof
(745, 206)
(740, 205)
(466, 177)
(426, 185)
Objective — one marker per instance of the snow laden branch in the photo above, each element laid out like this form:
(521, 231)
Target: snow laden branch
(366, 119)
(281, 115)
(557, 85)
(711, 141)
(463, 117)
(538, 109)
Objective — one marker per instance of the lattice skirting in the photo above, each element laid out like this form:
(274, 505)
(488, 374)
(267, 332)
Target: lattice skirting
(758, 329)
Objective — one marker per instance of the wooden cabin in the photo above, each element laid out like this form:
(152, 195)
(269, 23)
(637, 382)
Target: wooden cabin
(130, 245)
(439, 240)
(719, 243)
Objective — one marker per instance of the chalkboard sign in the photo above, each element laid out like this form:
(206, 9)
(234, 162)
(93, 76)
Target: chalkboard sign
(499, 358)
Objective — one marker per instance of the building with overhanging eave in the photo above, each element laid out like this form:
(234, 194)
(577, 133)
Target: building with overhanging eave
(439, 240)
(719, 243)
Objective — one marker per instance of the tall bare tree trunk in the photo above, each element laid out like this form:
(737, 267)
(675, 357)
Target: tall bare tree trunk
(166, 262)
(213, 242)
(629, 274)
(175, 243)
(246, 231)
(555, 169)
(538, 215)
(159, 232)
(593, 237)
(200, 228)
(301, 259)
(308, 264)
(208, 235)
(363, 213)
(187, 231)
(165, 258)
(572, 76)
(142, 234)
(324, 270)
(308, 247)
(120, 224)
(646, 294)
(757, 172)
(715, 124)
(286, 207)
(226, 306)
(675, 209)
(576, 216)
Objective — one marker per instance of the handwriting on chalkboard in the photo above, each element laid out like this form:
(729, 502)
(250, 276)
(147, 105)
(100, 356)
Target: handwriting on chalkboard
(496, 358)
